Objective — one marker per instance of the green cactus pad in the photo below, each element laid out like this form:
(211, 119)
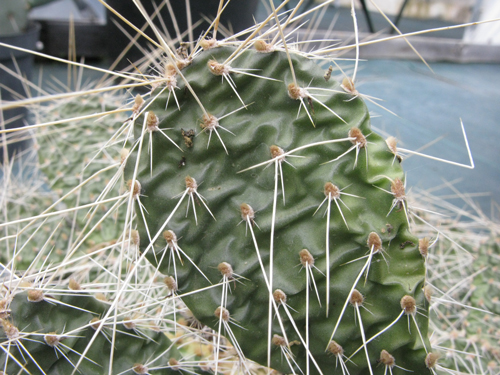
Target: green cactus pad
(286, 222)
(53, 333)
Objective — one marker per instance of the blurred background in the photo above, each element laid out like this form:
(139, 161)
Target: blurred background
(460, 83)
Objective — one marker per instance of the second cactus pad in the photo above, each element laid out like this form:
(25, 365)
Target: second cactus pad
(283, 219)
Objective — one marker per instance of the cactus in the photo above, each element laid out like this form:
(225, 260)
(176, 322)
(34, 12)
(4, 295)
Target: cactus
(275, 223)
(46, 334)
(324, 159)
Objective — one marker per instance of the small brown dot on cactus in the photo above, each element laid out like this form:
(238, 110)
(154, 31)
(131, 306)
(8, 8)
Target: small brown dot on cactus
(358, 138)
(398, 189)
(409, 305)
(129, 323)
(423, 246)
(428, 293)
(208, 43)
(217, 68)
(170, 283)
(335, 348)
(134, 237)
(10, 330)
(174, 364)
(152, 122)
(431, 360)
(276, 152)
(188, 136)
(226, 270)
(356, 298)
(35, 295)
(191, 184)
(73, 284)
(348, 86)
(386, 358)
(136, 189)
(262, 46)
(374, 242)
(210, 122)
(52, 339)
(101, 297)
(295, 92)
(278, 340)
(247, 212)
(222, 312)
(95, 323)
(306, 258)
(279, 296)
(138, 103)
(140, 369)
(331, 190)
(170, 237)
(124, 153)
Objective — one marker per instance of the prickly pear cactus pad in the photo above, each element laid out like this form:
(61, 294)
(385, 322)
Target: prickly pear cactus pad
(46, 334)
(283, 218)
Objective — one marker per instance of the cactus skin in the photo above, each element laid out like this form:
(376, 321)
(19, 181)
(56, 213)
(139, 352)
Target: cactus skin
(35, 319)
(271, 119)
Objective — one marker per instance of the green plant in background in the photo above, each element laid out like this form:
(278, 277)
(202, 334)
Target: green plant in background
(14, 14)
(269, 211)
(462, 284)
(68, 182)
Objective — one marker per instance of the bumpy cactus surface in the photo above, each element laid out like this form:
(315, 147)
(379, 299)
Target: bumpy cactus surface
(278, 166)
(48, 334)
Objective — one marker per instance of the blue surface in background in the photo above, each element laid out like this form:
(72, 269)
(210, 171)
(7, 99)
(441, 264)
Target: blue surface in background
(430, 105)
